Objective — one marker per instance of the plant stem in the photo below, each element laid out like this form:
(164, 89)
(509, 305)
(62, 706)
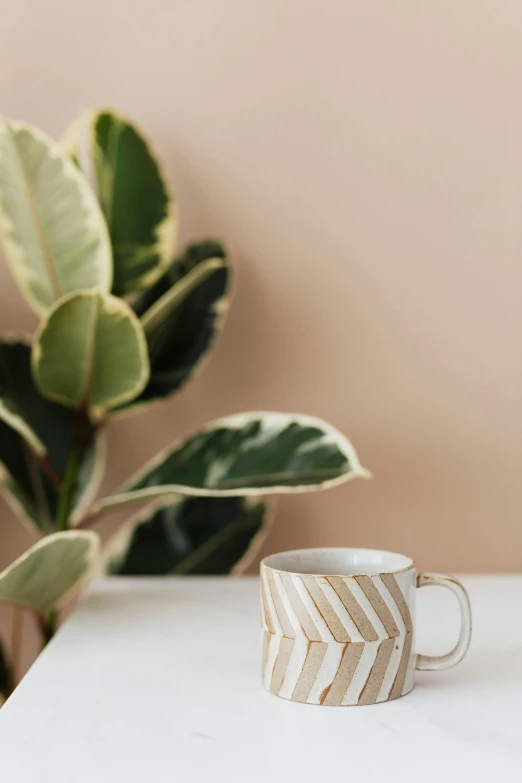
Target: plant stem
(48, 626)
(16, 633)
(82, 438)
(53, 476)
(11, 658)
(69, 485)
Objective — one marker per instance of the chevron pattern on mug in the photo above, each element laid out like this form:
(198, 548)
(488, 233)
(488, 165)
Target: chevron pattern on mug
(335, 639)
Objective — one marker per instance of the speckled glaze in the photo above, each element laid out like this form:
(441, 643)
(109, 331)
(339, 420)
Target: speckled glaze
(338, 625)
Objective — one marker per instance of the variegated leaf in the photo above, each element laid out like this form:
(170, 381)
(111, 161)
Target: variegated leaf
(35, 438)
(52, 230)
(255, 453)
(181, 314)
(90, 351)
(133, 193)
(193, 536)
(44, 576)
(9, 415)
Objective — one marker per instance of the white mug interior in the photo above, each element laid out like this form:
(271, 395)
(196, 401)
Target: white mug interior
(338, 561)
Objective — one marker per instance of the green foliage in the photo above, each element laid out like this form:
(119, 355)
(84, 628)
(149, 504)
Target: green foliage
(181, 314)
(247, 454)
(88, 229)
(54, 235)
(35, 442)
(133, 194)
(50, 570)
(192, 536)
(90, 353)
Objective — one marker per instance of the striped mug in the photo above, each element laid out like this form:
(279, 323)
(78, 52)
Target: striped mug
(338, 625)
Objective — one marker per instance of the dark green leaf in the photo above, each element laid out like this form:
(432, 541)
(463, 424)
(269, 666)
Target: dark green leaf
(133, 193)
(193, 536)
(28, 487)
(253, 453)
(181, 315)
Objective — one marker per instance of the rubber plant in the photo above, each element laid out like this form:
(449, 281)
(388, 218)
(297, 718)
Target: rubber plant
(88, 227)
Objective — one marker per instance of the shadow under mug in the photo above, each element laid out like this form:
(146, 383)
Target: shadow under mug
(339, 624)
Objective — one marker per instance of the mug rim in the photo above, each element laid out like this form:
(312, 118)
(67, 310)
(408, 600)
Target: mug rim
(410, 565)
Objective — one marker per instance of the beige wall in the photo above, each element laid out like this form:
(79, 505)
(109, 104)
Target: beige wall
(364, 159)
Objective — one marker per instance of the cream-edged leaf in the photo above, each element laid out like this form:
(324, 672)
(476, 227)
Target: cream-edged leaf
(254, 453)
(181, 315)
(43, 577)
(35, 438)
(90, 351)
(172, 299)
(9, 415)
(52, 230)
(133, 193)
(191, 536)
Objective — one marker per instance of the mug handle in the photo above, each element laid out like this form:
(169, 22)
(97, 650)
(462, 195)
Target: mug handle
(431, 663)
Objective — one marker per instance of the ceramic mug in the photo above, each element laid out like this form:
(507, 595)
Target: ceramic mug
(339, 625)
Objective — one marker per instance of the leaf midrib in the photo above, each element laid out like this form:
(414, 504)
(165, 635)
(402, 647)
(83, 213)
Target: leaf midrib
(210, 546)
(109, 188)
(53, 277)
(179, 292)
(90, 352)
(267, 477)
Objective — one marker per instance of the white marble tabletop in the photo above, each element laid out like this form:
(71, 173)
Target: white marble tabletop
(158, 680)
